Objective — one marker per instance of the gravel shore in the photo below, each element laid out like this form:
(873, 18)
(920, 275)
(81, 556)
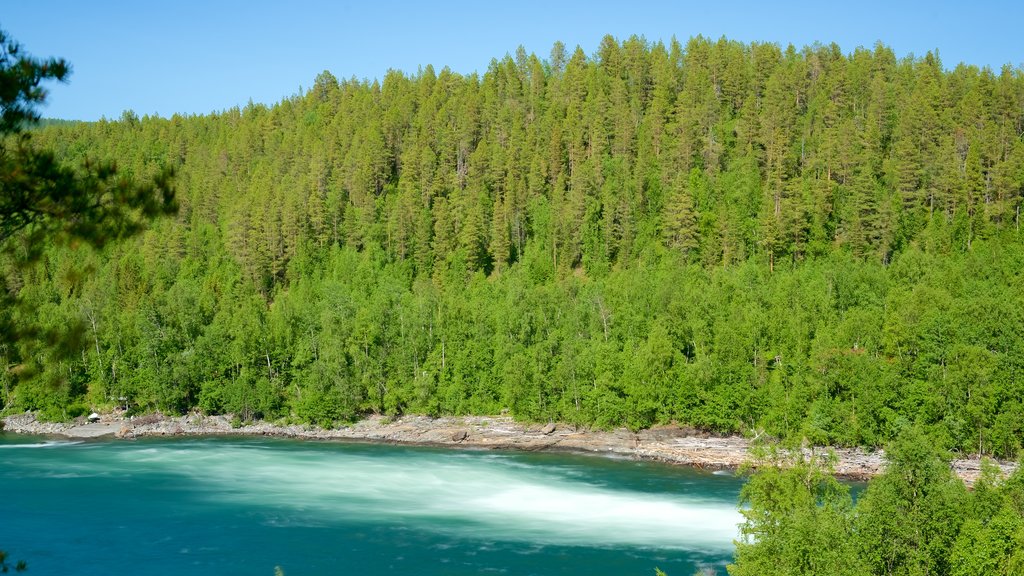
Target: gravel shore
(666, 444)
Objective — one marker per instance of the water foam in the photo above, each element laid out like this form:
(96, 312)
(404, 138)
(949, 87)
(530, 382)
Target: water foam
(472, 495)
(48, 444)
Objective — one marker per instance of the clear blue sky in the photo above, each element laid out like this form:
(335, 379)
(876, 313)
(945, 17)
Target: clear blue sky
(197, 57)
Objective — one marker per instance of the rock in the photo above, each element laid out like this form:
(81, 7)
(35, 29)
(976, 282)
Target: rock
(665, 444)
(94, 417)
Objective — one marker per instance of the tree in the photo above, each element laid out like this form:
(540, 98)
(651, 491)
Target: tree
(680, 226)
(799, 520)
(909, 517)
(698, 169)
(991, 540)
(43, 201)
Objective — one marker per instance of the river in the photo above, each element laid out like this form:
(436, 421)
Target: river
(245, 506)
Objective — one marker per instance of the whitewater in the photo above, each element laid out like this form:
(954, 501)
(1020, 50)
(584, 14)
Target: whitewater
(208, 501)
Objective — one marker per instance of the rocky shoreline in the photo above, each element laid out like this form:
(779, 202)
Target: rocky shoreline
(665, 444)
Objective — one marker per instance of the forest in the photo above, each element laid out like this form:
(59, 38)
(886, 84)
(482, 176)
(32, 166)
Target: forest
(800, 243)
(916, 518)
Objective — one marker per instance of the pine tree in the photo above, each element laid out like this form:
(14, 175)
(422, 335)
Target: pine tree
(500, 246)
(680, 220)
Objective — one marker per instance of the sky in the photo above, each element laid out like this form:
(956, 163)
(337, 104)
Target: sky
(191, 57)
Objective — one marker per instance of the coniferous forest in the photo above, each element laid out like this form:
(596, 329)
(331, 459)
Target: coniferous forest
(794, 242)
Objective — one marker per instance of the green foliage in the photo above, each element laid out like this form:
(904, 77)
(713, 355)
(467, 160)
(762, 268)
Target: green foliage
(798, 243)
(798, 520)
(991, 539)
(803, 244)
(909, 518)
(915, 518)
(47, 203)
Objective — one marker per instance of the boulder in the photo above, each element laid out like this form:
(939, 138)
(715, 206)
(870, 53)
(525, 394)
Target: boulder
(459, 435)
(548, 429)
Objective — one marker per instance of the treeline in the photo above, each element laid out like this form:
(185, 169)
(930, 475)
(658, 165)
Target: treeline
(737, 237)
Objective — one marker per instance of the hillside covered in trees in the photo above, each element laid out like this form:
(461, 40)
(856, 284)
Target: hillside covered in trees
(742, 238)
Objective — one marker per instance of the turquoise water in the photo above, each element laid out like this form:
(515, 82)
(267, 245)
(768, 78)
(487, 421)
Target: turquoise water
(244, 506)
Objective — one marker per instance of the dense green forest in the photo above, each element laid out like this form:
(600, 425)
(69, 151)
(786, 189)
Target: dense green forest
(802, 243)
(916, 518)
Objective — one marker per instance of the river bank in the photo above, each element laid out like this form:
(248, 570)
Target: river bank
(665, 444)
